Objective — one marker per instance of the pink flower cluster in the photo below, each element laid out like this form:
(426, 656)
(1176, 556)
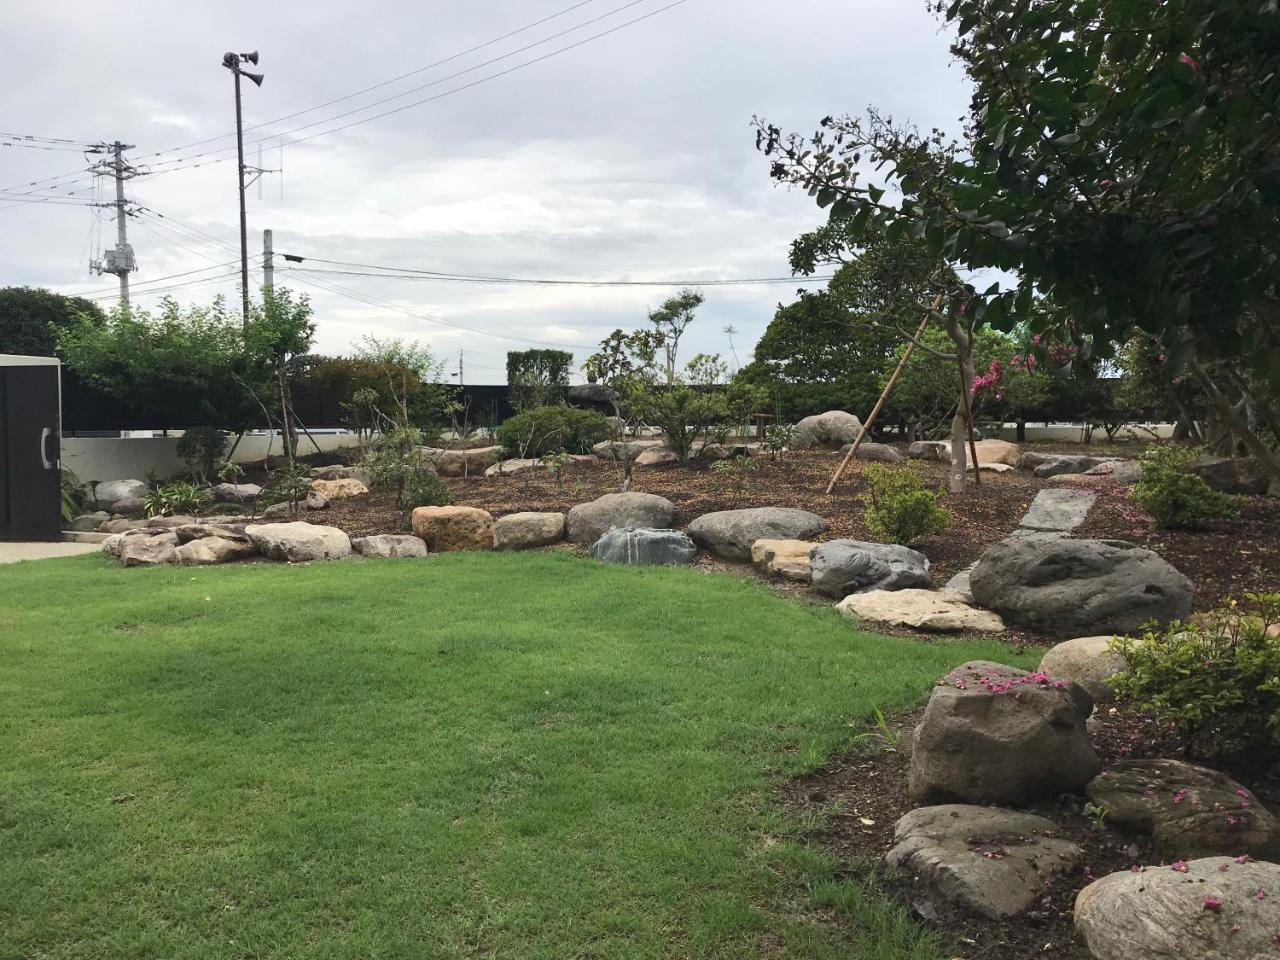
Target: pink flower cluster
(999, 684)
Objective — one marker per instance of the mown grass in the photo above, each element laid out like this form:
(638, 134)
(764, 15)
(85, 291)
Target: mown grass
(527, 756)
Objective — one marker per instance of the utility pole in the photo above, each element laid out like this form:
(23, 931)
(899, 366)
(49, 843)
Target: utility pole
(460, 380)
(268, 264)
(232, 62)
(120, 260)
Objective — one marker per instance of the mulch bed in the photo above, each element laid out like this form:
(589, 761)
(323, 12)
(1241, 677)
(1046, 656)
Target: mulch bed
(859, 797)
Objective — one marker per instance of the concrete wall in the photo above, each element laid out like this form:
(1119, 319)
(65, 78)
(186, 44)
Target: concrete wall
(105, 458)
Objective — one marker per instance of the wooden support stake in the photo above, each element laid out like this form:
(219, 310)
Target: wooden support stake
(884, 397)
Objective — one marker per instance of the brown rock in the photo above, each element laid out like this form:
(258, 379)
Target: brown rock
(788, 559)
(446, 529)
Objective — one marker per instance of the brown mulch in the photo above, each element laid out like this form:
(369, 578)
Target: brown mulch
(859, 797)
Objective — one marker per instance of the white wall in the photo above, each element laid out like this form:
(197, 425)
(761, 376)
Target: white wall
(108, 458)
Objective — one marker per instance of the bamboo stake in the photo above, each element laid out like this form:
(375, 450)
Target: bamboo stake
(884, 396)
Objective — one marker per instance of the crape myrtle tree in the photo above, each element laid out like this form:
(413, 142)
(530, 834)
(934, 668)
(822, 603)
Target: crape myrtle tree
(670, 322)
(1121, 158)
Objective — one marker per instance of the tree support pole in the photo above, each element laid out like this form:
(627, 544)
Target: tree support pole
(884, 397)
(967, 409)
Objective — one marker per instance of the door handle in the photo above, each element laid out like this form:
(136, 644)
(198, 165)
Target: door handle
(45, 436)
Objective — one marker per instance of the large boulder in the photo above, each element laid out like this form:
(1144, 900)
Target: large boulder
(331, 490)
(387, 545)
(298, 542)
(937, 450)
(514, 466)
(1089, 661)
(645, 547)
(875, 452)
(994, 862)
(527, 531)
(993, 734)
(464, 463)
(788, 559)
(209, 551)
(1216, 908)
(933, 611)
(729, 534)
(1120, 471)
(657, 457)
(830, 430)
(588, 522)
(1072, 588)
(337, 471)
(842, 567)
(236, 492)
(446, 529)
(120, 496)
(121, 525)
(1000, 452)
(148, 551)
(226, 530)
(1045, 465)
(1244, 475)
(624, 449)
(1188, 811)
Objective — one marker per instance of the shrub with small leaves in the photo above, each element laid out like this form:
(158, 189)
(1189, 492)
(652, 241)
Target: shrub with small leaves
(544, 430)
(1177, 498)
(899, 507)
(778, 437)
(1219, 684)
(739, 469)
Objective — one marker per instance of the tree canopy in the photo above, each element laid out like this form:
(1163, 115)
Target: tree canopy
(30, 318)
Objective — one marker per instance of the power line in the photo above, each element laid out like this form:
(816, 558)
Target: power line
(32, 137)
(406, 273)
(417, 103)
(173, 276)
(175, 286)
(385, 83)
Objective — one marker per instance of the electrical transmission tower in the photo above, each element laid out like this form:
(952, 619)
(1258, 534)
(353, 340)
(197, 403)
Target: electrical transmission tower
(119, 260)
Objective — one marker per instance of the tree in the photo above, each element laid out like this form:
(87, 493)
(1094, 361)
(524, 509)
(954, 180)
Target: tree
(670, 321)
(277, 335)
(537, 378)
(1121, 158)
(30, 318)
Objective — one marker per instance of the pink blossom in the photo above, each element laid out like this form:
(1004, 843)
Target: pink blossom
(1108, 183)
(1260, 895)
(1244, 859)
(1213, 903)
(1179, 866)
(1190, 61)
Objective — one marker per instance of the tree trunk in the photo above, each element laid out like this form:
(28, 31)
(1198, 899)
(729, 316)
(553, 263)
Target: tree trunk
(1021, 436)
(959, 425)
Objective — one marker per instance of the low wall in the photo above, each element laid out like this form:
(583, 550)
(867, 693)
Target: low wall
(108, 458)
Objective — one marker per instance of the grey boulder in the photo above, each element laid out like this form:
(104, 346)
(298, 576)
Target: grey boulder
(299, 542)
(1188, 811)
(1045, 465)
(89, 522)
(387, 545)
(236, 492)
(991, 861)
(1207, 909)
(120, 496)
(1070, 588)
(842, 567)
(1243, 475)
(729, 534)
(830, 430)
(993, 734)
(1089, 661)
(624, 449)
(588, 522)
(148, 551)
(645, 547)
(208, 551)
(938, 450)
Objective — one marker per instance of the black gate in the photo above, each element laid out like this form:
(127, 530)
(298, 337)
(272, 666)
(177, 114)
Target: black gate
(30, 493)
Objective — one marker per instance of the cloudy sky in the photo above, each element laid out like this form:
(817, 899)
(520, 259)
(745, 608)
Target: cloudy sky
(627, 157)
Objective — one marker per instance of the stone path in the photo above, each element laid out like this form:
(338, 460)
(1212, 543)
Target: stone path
(1054, 511)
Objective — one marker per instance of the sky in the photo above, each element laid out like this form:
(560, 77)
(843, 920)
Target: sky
(627, 156)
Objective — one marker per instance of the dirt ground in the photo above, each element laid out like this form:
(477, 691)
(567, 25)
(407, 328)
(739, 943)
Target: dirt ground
(858, 798)
(1225, 560)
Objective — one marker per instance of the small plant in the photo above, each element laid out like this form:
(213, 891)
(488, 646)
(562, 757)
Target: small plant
(1175, 496)
(777, 438)
(556, 464)
(173, 499)
(398, 464)
(74, 496)
(1218, 684)
(891, 737)
(1097, 813)
(739, 469)
(288, 484)
(231, 472)
(899, 508)
(201, 449)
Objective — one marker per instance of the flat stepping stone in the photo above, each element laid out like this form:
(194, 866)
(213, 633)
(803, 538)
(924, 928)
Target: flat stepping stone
(995, 862)
(939, 611)
(1058, 510)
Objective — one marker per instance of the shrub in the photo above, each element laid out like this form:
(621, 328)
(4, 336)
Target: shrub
(1177, 498)
(74, 497)
(201, 449)
(175, 498)
(1219, 684)
(425, 489)
(899, 508)
(778, 437)
(740, 469)
(399, 464)
(544, 430)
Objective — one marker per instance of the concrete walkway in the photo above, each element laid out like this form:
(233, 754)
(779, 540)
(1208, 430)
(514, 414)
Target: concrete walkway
(16, 551)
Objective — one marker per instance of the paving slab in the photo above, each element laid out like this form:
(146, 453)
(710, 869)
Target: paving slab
(16, 551)
(1058, 510)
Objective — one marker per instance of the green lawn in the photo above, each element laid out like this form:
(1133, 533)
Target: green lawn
(529, 756)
